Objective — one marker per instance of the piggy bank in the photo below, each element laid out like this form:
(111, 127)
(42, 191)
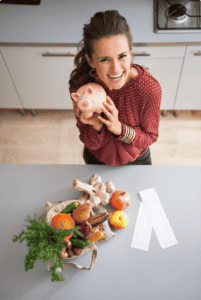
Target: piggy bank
(90, 98)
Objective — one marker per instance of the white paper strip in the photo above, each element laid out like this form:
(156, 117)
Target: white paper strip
(160, 222)
(143, 228)
(152, 212)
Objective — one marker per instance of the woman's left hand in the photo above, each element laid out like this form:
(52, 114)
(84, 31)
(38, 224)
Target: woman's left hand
(113, 124)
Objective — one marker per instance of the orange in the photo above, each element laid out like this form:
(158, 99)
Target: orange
(120, 200)
(118, 219)
(63, 221)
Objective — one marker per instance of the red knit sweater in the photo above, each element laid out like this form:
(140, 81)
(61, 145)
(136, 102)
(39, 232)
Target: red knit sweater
(138, 103)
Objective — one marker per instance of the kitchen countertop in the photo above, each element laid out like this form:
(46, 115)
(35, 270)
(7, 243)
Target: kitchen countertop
(60, 22)
(120, 272)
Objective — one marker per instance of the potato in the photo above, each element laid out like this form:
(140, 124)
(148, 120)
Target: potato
(77, 251)
(70, 253)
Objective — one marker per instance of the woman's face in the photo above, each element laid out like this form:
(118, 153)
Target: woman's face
(111, 58)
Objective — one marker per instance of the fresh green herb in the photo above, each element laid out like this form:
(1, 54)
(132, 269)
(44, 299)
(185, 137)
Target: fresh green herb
(80, 243)
(45, 242)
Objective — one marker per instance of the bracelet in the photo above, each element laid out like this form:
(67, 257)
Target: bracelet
(129, 135)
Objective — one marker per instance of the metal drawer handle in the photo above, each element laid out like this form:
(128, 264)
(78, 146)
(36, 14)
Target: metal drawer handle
(141, 54)
(198, 53)
(58, 54)
(70, 54)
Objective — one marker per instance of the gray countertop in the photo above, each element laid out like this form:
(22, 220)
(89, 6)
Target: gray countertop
(120, 272)
(61, 22)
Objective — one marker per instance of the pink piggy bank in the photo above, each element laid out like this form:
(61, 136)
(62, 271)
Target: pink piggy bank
(90, 98)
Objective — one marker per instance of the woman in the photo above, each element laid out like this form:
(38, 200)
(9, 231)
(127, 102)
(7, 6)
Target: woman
(129, 124)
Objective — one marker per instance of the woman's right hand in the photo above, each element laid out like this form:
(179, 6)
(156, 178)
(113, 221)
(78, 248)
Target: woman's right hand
(93, 120)
(76, 109)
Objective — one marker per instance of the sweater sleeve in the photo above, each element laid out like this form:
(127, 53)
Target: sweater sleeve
(148, 130)
(91, 138)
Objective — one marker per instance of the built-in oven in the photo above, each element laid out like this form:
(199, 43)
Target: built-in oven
(177, 16)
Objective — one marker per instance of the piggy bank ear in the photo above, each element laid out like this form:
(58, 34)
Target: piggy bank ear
(90, 91)
(75, 96)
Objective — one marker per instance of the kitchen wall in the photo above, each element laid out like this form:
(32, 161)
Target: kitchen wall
(61, 21)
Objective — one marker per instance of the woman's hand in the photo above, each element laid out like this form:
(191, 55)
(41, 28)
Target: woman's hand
(113, 124)
(93, 120)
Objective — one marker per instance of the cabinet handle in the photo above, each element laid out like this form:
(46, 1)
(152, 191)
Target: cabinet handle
(141, 54)
(70, 54)
(198, 53)
(58, 54)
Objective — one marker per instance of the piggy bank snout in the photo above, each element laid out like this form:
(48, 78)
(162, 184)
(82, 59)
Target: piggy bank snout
(85, 104)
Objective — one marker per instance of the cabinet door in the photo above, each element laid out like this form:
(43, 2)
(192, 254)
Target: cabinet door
(167, 72)
(189, 92)
(41, 75)
(165, 64)
(8, 94)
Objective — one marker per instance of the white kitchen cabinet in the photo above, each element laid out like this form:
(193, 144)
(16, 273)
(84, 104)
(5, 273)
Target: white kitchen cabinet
(165, 64)
(41, 75)
(8, 93)
(37, 77)
(189, 92)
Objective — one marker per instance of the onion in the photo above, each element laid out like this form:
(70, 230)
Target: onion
(120, 200)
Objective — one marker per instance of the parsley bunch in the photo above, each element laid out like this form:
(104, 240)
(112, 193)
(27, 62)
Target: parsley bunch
(45, 242)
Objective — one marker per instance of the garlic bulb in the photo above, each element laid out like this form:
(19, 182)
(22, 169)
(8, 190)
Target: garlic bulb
(95, 202)
(94, 179)
(105, 200)
(110, 188)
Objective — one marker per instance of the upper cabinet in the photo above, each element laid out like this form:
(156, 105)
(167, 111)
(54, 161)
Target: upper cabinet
(41, 75)
(189, 92)
(165, 64)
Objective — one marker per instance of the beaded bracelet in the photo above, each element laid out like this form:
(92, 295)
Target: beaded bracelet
(129, 135)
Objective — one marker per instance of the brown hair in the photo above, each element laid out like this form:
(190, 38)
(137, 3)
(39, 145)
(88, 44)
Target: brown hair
(103, 24)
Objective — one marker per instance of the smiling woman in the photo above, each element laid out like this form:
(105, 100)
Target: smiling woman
(115, 68)
(129, 123)
(116, 65)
